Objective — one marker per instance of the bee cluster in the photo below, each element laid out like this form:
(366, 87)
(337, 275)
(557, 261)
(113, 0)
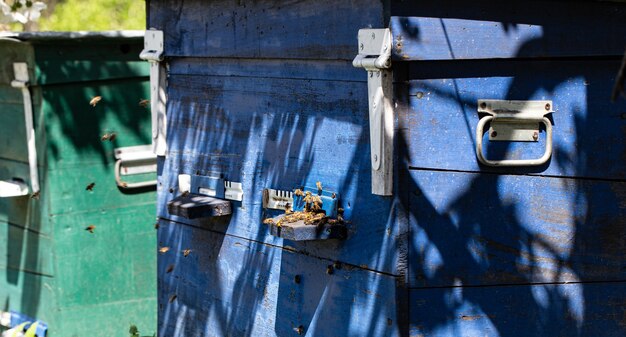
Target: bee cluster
(311, 214)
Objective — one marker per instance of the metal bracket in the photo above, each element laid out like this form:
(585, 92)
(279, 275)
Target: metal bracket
(153, 53)
(134, 160)
(21, 82)
(375, 57)
(210, 186)
(514, 121)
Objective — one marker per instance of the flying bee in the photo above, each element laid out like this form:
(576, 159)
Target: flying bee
(156, 225)
(90, 187)
(319, 185)
(108, 136)
(173, 298)
(186, 252)
(95, 100)
(164, 250)
(35, 195)
(112, 136)
(90, 228)
(169, 268)
(144, 102)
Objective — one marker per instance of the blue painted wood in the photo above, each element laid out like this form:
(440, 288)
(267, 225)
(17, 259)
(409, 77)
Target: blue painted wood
(582, 309)
(281, 133)
(446, 30)
(323, 29)
(230, 286)
(588, 128)
(486, 229)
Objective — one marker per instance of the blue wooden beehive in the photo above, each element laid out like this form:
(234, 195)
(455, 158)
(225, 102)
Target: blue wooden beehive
(264, 93)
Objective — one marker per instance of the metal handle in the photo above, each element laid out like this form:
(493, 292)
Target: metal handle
(512, 162)
(129, 186)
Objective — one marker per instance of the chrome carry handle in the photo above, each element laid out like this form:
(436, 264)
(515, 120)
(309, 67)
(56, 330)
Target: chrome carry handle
(141, 159)
(517, 121)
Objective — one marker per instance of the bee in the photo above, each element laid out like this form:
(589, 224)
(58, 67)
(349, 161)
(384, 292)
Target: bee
(299, 330)
(319, 185)
(35, 195)
(156, 225)
(90, 187)
(184, 194)
(164, 250)
(268, 221)
(298, 192)
(173, 298)
(95, 100)
(186, 252)
(144, 102)
(169, 268)
(90, 228)
(108, 136)
(112, 136)
(124, 184)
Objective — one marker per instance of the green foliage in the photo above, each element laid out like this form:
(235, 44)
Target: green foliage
(95, 15)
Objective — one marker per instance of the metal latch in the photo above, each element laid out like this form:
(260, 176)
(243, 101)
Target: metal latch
(134, 160)
(375, 57)
(153, 53)
(204, 196)
(514, 121)
(18, 188)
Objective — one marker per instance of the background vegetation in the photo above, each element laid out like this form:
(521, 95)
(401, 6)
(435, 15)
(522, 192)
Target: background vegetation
(92, 15)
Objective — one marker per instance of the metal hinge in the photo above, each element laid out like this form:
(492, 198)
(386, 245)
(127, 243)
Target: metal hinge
(21, 82)
(134, 160)
(514, 121)
(153, 53)
(375, 57)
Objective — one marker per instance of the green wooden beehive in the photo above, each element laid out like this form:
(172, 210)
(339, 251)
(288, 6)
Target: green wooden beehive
(51, 267)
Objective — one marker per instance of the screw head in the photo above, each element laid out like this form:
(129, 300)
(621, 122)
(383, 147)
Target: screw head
(361, 46)
(373, 36)
(375, 157)
(494, 134)
(535, 135)
(547, 106)
(483, 105)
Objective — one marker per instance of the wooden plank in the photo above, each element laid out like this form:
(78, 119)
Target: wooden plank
(25, 250)
(443, 30)
(74, 128)
(229, 286)
(13, 138)
(588, 128)
(68, 194)
(282, 133)
(484, 229)
(28, 293)
(102, 322)
(115, 263)
(264, 29)
(582, 309)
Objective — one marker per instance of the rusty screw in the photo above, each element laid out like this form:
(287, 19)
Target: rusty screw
(547, 106)
(494, 134)
(535, 135)
(483, 105)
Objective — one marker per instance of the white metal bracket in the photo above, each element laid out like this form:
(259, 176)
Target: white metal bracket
(21, 82)
(375, 57)
(514, 121)
(153, 53)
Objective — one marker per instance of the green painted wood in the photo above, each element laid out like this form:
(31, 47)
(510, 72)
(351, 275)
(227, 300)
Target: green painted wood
(74, 128)
(82, 284)
(25, 250)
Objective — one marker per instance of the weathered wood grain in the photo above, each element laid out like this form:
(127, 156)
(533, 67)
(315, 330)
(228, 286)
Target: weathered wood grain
(446, 30)
(581, 309)
(229, 286)
(264, 29)
(485, 229)
(588, 128)
(281, 133)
